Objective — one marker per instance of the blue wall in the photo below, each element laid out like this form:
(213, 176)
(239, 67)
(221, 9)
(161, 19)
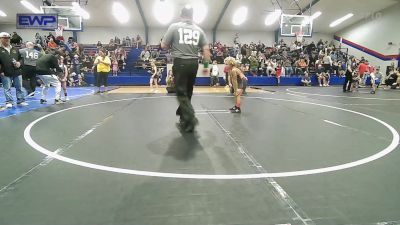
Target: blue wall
(205, 81)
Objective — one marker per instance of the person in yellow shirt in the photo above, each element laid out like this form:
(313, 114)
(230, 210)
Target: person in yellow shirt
(103, 64)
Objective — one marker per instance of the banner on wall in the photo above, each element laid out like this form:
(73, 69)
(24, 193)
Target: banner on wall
(37, 21)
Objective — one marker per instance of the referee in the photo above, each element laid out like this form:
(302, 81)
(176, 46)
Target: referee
(185, 39)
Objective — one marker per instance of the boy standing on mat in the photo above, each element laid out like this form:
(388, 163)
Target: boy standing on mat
(185, 39)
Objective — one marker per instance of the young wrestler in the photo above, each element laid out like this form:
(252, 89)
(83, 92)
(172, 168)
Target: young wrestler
(356, 80)
(63, 77)
(154, 75)
(236, 78)
(376, 77)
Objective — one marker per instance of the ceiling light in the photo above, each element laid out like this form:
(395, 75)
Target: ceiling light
(2, 14)
(163, 11)
(341, 20)
(199, 11)
(120, 12)
(29, 6)
(240, 16)
(79, 11)
(273, 17)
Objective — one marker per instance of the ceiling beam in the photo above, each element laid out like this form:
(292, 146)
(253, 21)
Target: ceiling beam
(146, 26)
(308, 7)
(219, 19)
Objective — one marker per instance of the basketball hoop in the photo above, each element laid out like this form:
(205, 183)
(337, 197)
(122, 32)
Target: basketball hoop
(299, 36)
(59, 30)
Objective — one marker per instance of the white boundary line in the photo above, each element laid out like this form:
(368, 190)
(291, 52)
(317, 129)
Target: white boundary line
(338, 96)
(392, 146)
(278, 191)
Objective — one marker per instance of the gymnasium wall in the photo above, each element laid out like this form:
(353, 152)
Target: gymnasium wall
(227, 36)
(374, 33)
(90, 35)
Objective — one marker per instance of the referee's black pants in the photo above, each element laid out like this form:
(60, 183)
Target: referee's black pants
(185, 71)
(29, 78)
(347, 82)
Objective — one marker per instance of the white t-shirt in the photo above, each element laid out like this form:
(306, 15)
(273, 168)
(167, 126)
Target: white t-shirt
(215, 70)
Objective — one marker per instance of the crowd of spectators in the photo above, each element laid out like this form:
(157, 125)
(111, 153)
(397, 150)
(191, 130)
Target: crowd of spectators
(297, 58)
(292, 59)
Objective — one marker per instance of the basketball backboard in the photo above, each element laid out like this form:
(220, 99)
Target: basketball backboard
(67, 17)
(294, 24)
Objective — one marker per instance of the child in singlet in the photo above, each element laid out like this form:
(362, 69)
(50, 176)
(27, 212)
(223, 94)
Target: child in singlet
(154, 75)
(236, 78)
(63, 78)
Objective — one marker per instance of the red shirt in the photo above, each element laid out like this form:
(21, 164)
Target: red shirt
(278, 72)
(362, 68)
(52, 44)
(371, 69)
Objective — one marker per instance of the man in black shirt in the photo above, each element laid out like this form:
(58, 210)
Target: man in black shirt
(10, 70)
(45, 69)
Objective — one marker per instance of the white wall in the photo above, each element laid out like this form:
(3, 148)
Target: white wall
(90, 35)
(226, 37)
(375, 33)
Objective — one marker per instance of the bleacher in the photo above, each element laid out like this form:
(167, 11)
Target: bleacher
(134, 74)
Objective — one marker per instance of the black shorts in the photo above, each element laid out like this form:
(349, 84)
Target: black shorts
(28, 72)
(320, 70)
(240, 83)
(327, 68)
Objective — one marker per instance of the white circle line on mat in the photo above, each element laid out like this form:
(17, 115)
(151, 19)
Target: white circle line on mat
(392, 146)
(340, 96)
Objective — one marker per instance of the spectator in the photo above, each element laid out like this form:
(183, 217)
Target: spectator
(39, 39)
(114, 67)
(50, 36)
(306, 80)
(391, 80)
(52, 44)
(16, 39)
(214, 74)
(99, 44)
(145, 55)
(103, 64)
(139, 41)
(10, 70)
(76, 64)
(128, 42)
